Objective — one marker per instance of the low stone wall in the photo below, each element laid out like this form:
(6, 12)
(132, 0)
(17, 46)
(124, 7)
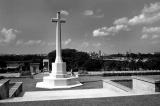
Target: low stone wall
(4, 88)
(131, 73)
(146, 84)
(16, 89)
(10, 74)
(122, 73)
(115, 86)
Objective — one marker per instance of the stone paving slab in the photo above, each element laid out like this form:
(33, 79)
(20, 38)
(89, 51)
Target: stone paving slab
(69, 94)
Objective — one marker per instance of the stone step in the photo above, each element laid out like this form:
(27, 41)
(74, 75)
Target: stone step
(64, 94)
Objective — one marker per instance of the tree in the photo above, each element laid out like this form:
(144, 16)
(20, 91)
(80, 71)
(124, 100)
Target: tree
(81, 58)
(3, 64)
(93, 65)
(73, 58)
(108, 65)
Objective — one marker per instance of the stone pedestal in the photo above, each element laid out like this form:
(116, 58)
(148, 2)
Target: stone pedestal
(59, 70)
(58, 78)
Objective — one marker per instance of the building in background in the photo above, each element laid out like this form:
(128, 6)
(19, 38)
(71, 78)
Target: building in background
(34, 68)
(45, 65)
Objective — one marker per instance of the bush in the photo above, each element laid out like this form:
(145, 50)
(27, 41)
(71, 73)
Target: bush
(25, 73)
(93, 65)
(2, 77)
(12, 70)
(82, 72)
(3, 71)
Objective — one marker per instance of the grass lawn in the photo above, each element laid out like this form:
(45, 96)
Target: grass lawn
(127, 83)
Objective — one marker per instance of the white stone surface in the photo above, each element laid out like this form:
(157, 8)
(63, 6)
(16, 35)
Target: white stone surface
(34, 68)
(54, 83)
(46, 65)
(150, 83)
(59, 70)
(112, 88)
(71, 94)
(58, 20)
(58, 77)
(143, 86)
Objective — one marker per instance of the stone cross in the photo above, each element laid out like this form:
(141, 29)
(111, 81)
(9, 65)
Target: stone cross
(58, 78)
(58, 20)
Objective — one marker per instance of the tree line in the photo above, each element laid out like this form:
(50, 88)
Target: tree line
(78, 60)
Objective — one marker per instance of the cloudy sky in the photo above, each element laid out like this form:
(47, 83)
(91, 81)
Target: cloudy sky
(109, 25)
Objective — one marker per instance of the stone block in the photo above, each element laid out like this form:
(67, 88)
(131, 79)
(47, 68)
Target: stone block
(59, 68)
(146, 83)
(4, 88)
(115, 86)
(16, 89)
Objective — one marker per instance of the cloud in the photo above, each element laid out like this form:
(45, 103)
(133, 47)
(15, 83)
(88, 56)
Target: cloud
(51, 43)
(148, 15)
(88, 12)
(19, 42)
(155, 36)
(7, 35)
(99, 16)
(121, 21)
(30, 42)
(64, 12)
(144, 36)
(95, 14)
(117, 28)
(100, 32)
(34, 42)
(97, 44)
(152, 32)
(155, 42)
(85, 44)
(144, 19)
(154, 7)
(67, 41)
(104, 31)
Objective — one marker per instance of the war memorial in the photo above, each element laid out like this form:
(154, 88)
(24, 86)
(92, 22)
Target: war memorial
(58, 86)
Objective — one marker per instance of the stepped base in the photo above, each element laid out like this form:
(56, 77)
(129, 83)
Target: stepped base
(50, 82)
(58, 78)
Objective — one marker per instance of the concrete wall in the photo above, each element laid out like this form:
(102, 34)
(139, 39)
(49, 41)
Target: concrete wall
(16, 89)
(4, 88)
(46, 65)
(115, 86)
(143, 86)
(157, 87)
(34, 68)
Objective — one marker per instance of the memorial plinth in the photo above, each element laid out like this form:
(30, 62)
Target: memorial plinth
(58, 78)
